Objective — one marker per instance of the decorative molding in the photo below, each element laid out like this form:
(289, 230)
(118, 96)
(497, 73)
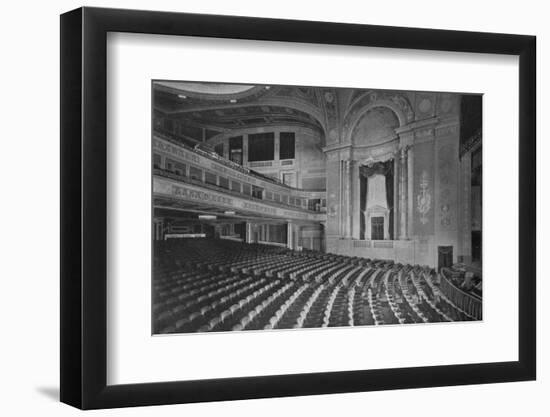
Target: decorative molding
(471, 143)
(424, 105)
(333, 156)
(330, 105)
(424, 198)
(372, 99)
(370, 155)
(447, 185)
(447, 130)
(415, 126)
(335, 147)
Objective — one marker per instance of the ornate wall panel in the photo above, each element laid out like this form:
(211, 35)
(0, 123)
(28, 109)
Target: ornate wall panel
(423, 189)
(425, 105)
(447, 184)
(333, 194)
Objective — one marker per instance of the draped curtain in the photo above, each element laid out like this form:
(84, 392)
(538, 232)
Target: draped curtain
(366, 171)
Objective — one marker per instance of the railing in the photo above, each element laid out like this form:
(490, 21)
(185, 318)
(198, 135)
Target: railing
(262, 164)
(188, 180)
(386, 244)
(467, 302)
(382, 244)
(214, 156)
(220, 159)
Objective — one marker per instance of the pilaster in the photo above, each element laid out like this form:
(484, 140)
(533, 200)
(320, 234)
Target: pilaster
(403, 189)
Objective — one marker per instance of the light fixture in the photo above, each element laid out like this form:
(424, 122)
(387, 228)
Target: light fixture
(182, 96)
(207, 217)
(267, 87)
(233, 100)
(229, 213)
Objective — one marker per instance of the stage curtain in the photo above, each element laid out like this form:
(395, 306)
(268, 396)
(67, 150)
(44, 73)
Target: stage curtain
(365, 171)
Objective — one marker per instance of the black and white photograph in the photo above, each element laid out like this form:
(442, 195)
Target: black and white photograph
(244, 208)
(296, 207)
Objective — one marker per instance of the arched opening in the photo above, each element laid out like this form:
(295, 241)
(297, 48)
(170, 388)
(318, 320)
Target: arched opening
(376, 182)
(376, 126)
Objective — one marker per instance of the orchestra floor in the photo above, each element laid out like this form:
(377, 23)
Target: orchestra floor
(209, 285)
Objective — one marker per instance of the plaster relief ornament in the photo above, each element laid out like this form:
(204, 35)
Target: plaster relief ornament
(402, 102)
(446, 105)
(425, 105)
(424, 198)
(368, 161)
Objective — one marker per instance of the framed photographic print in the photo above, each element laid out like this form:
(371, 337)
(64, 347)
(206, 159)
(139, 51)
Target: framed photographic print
(257, 208)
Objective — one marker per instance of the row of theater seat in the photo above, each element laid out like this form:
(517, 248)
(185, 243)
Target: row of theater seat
(213, 285)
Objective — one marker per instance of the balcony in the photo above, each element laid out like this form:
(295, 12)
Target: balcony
(209, 170)
(185, 191)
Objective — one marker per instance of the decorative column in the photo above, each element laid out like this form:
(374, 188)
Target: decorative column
(341, 200)
(410, 183)
(347, 198)
(396, 195)
(355, 201)
(289, 236)
(218, 230)
(387, 226)
(403, 195)
(159, 229)
(245, 150)
(248, 237)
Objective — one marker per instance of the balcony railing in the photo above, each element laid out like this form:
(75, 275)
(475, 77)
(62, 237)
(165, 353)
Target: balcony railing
(214, 156)
(172, 138)
(182, 178)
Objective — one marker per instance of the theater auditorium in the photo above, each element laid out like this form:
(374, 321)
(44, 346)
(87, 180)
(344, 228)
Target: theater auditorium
(292, 207)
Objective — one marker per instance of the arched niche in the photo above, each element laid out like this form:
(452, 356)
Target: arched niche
(394, 102)
(375, 126)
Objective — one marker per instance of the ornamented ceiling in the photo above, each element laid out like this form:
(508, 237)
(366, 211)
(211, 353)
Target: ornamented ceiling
(212, 89)
(235, 106)
(221, 108)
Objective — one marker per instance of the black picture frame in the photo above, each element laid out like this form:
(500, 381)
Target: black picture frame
(84, 207)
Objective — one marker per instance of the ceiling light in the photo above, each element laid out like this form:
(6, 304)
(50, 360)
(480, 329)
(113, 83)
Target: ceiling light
(207, 217)
(182, 96)
(233, 100)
